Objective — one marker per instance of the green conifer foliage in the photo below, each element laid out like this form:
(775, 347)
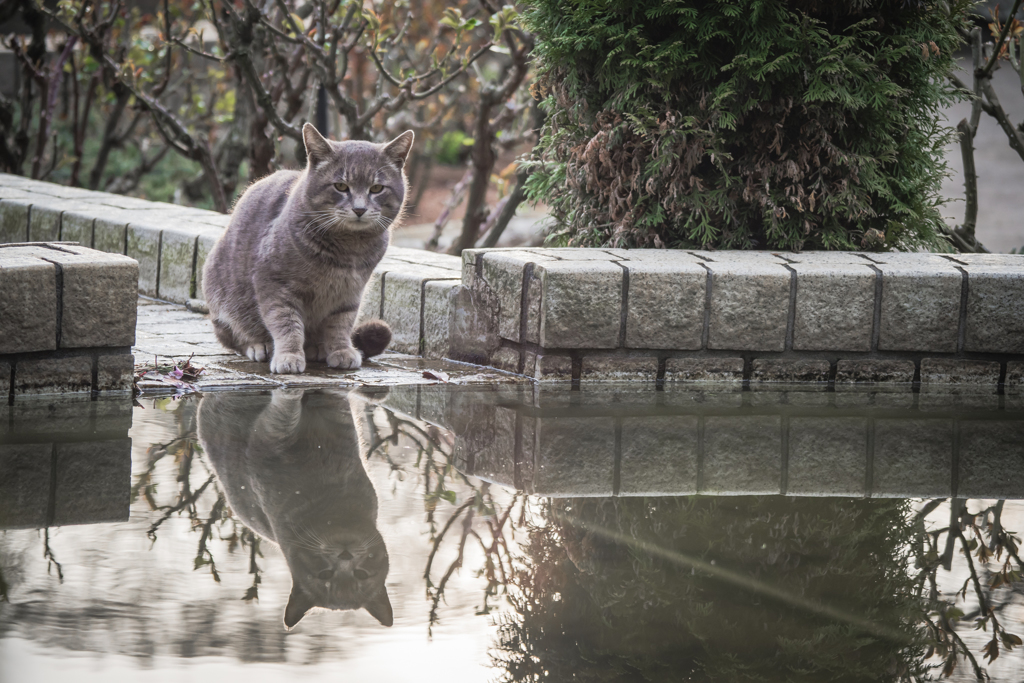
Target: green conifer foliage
(744, 124)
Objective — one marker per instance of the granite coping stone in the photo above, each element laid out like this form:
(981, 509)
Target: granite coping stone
(920, 308)
(403, 298)
(749, 305)
(581, 303)
(28, 303)
(995, 307)
(665, 304)
(835, 307)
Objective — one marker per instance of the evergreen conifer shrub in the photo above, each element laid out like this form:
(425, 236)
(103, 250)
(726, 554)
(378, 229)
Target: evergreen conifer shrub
(744, 124)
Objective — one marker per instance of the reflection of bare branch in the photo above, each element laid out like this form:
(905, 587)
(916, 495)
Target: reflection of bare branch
(987, 522)
(252, 593)
(51, 561)
(438, 592)
(203, 555)
(183, 503)
(440, 537)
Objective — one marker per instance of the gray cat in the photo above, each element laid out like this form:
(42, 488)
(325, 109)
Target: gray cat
(284, 281)
(291, 469)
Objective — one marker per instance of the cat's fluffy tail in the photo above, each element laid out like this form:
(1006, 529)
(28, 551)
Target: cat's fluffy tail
(372, 337)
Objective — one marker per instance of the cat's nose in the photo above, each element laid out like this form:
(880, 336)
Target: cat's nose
(359, 212)
(345, 555)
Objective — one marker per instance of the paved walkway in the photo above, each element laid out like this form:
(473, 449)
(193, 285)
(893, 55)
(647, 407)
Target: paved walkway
(169, 334)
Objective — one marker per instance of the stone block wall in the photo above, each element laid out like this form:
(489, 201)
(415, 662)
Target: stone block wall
(620, 315)
(625, 440)
(67, 321)
(65, 462)
(613, 314)
(169, 242)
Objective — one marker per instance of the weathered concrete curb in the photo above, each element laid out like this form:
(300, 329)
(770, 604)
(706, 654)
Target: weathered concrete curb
(67, 321)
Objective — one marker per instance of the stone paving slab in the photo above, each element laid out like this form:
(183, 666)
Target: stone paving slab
(168, 334)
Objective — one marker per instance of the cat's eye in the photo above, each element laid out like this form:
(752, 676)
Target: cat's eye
(361, 575)
(341, 187)
(325, 574)
(374, 189)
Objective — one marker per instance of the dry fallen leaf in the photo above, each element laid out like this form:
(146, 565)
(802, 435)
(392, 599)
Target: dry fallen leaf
(439, 375)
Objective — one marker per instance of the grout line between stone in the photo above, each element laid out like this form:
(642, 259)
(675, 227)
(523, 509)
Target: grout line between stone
(624, 304)
(705, 333)
(58, 278)
(28, 223)
(961, 332)
(422, 329)
(876, 316)
(95, 392)
(159, 257)
(10, 391)
(193, 286)
(791, 315)
(524, 298)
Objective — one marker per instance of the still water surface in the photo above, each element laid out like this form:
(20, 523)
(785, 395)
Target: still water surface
(428, 533)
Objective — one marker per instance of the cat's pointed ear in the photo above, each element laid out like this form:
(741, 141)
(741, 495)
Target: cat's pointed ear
(398, 149)
(317, 147)
(380, 609)
(298, 604)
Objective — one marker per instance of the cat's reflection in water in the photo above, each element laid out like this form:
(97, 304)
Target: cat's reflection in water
(291, 467)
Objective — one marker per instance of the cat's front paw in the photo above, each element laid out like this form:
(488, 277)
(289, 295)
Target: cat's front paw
(288, 363)
(345, 359)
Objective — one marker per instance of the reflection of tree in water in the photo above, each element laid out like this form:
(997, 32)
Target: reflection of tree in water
(715, 588)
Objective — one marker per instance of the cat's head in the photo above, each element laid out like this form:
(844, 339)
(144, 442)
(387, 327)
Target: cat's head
(353, 186)
(341, 569)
